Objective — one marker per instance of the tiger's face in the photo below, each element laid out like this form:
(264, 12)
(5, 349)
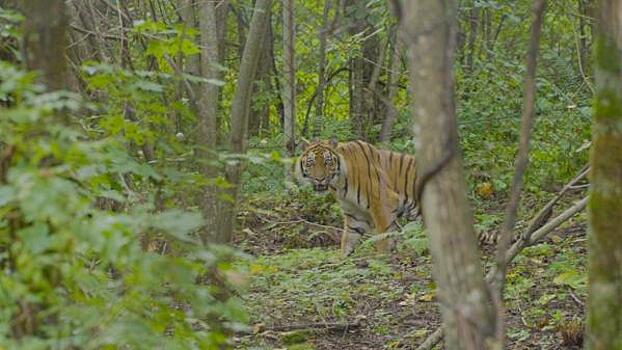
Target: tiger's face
(319, 165)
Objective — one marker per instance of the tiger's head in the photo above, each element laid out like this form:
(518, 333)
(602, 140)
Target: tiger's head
(319, 164)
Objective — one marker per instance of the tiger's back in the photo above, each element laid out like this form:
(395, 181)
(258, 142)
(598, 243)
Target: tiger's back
(376, 172)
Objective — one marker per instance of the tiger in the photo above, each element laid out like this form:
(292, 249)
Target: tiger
(374, 187)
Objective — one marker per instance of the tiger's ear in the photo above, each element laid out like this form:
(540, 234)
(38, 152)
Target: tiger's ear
(333, 142)
(303, 144)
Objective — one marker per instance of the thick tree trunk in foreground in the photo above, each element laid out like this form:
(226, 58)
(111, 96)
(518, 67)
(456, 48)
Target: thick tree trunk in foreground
(604, 306)
(43, 49)
(240, 107)
(468, 316)
(44, 43)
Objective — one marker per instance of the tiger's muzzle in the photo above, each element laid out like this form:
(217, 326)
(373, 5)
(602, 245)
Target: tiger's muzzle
(320, 187)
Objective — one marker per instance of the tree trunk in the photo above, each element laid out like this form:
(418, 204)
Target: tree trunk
(321, 73)
(239, 109)
(468, 317)
(522, 160)
(259, 113)
(187, 12)
(207, 112)
(289, 74)
(222, 10)
(43, 50)
(604, 305)
(363, 102)
(472, 37)
(44, 42)
(357, 74)
(394, 76)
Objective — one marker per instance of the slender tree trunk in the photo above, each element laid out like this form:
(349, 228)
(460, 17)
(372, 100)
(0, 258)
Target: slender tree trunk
(363, 102)
(604, 306)
(357, 76)
(259, 113)
(522, 159)
(394, 75)
(240, 106)
(319, 102)
(289, 73)
(208, 98)
(222, 11)
(468, 316)
(187, 12)
(472, 37)
(242, 25)
(207, 110)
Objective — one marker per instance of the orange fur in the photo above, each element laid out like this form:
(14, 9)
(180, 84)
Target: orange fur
(374, 187)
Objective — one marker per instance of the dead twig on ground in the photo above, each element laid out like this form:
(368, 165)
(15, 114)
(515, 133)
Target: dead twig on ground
(316, 326)
(576, 299)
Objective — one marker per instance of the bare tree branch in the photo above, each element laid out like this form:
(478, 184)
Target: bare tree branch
(522, 159)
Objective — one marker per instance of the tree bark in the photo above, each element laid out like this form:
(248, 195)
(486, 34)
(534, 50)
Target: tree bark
(319, 102)
(207, 111)
(187, 12)
(289, 74)
(604, 304)
(258, 119)
(44, 42)
(472, 37)
(239, 109)
(394, 76)
(208, 97)
(468, 316)
(362, 101)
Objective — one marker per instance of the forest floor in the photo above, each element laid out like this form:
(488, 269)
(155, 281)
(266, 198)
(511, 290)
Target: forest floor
(302, 295)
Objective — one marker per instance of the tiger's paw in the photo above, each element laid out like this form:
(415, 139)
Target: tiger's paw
(385, 246)
(348, 243)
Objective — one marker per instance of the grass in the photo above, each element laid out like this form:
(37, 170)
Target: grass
(394, 297)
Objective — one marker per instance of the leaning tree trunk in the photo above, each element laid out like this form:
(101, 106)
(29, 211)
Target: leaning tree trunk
(240, 107)
(468, 317)
(289, 72)
(604, 306)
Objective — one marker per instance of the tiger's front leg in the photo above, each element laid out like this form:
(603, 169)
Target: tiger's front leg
(353, 230)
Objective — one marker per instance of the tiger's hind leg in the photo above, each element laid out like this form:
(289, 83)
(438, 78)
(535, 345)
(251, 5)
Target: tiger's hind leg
(354, 228)
(385, 221)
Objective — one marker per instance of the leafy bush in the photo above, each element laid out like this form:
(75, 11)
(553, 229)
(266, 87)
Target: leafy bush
(80, 274)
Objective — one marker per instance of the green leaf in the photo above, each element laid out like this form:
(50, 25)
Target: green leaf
(7, 194)
(178, 223)
(36, 238)
(571, 279)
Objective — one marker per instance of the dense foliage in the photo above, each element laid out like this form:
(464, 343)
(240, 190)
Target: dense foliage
(102, 185)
